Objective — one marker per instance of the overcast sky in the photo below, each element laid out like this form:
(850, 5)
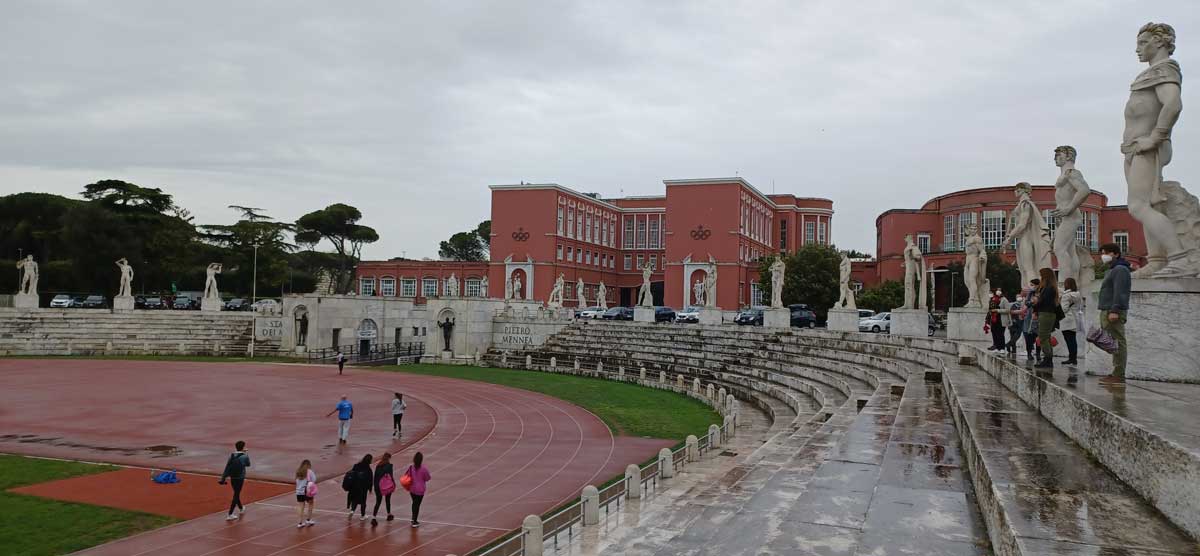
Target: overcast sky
(409, 111)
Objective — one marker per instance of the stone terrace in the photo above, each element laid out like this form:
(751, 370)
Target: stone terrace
(101, 332)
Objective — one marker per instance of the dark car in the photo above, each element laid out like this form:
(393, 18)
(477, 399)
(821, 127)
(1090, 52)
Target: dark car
(139, 302)
(95, 302)
(752, 316)
(237, 304)
(804, 318)
(183, 302)
(154, 302)
(664, 314)
(618, 313)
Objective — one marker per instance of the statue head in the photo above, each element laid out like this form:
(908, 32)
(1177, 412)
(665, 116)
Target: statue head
(1064, 154)
(1023, 189)
(1154, 37)
(908, 239)
(970, 229)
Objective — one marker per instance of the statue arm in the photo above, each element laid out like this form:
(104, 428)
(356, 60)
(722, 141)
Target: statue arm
(1172, 101)
(1082, 190)
(1017, 224)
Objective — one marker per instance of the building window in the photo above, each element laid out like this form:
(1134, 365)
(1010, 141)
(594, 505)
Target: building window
(1081, 231)
(923, 242)
(1094, 223)
(612, 234)
(587, 229)
(949, 233)
(810, 232)
(366, 286)
(641, 233)
(560, 221)
(821, 231)
(654, 233)
(1122, 241)
(628, 262)
(570, 253)
(587, 257)
(568, 291)
(408, 287)
(571, 223)
(429, 287)
(559, 252)
(964, 219)
(473, 288)
(783, 235)
(596, 230)
(579, 225)
(387, 287)
(603, 233)
(993, 228)
(1051, 223)
(579, 255)
(627, 237)
(654, 261)
(756, 294)
(641, 261)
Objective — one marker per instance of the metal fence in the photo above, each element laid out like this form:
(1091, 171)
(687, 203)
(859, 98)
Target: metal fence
(377, 352)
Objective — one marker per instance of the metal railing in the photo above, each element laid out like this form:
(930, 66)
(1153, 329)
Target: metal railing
(512, 544)
(564, 521)
(408, 350)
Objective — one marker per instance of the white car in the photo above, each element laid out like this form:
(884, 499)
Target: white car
(61, 301)
(878, 323)
(589, 313)
(268, 306)
(688, 314)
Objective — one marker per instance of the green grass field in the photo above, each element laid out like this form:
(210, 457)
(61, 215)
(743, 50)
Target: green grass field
(626, 408)
(32, 526)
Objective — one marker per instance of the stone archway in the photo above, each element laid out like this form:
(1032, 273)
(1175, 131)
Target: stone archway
(689, 290)
(447, 324)
(519, 271)
(367, 335)
(300, 322)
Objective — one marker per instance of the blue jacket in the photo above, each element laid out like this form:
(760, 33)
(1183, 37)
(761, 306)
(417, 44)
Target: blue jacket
(1114, 291)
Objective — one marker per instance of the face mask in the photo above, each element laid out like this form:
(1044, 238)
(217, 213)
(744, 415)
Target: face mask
(998, 293)
(1106, 258)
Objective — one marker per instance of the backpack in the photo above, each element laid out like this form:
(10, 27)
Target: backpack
(165, 478)
(348, 480)
(387, 485)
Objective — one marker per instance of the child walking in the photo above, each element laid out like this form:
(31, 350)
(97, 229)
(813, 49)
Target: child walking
(418, 474)
(306, 492)
(384, 486)
(398, 407)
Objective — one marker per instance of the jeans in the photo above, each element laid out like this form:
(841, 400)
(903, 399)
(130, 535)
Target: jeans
(237, 494)
(1045, 329)
(1072, 345)
(1116, 329)
(343, 429)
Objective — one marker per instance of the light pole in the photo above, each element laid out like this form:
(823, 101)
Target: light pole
(952, 275)
(254, 286)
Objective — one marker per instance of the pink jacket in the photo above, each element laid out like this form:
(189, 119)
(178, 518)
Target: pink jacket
(419, 478)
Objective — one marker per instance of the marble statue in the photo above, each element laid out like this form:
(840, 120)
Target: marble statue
(556, 294)
(210, 281)
(29, 276)
(1070, 191)
(710, 283)
(698, 293)
(447, 330)
(579, 298)
(777, 269)
(483, 287)
(975, 268)
(1170, 216)
(516, 287)
(508, 288)
(846, 300)
(1025, 224)
(914, 275)
(125, 290)
(452, 286)
(602, 296)
(645, 298)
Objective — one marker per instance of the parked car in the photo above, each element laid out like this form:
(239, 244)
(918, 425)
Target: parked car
(95, 302)
(804, 318)
(589, 313)
(60, 301)
(618, 313)
(876, 323)
(865, 314)
(77, 301)
(266, 306)
(154, 302)
(664, 314)
(752, 316)
(237, 304)
(184, 302)
(139, 302)
(688, 314)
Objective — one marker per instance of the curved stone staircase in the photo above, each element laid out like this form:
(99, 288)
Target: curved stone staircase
(892, 445)
(102, 332)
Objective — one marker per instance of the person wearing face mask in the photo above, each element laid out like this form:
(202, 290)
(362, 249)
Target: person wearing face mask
(1029, 322)
(1069, 324)
(1016, 324)
(997, 320)
(1114, 304)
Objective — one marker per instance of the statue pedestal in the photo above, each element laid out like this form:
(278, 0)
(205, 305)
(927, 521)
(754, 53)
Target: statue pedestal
(643, 314)
(122, 304)
(711, 315)
(842, 320)
(210, 304)
(25, 301)
(777, 317)
(1161, 331)
(910, 322)
(965, 324)
(447, 355)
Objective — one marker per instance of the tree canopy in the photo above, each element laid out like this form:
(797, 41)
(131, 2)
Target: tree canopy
(337, 224)
(811, 276)
(468, 246)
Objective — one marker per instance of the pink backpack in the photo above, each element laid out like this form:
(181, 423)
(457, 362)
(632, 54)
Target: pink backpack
(387, 485)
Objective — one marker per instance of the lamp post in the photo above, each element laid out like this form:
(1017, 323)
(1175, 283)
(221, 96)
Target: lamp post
(254, 286)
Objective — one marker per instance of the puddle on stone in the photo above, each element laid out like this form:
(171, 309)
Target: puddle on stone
(164, 450)
(727, 453)
(158, 451)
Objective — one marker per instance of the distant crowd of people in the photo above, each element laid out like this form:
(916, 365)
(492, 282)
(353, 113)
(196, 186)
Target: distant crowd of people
(1041, 308)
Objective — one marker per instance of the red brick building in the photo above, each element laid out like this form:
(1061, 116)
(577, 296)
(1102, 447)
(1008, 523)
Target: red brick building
(542, 230)
(937, 229)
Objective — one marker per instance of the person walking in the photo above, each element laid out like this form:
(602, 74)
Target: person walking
(1046, 304)
(398, 407)
(1114, 306)
(341, 361)
(419, 475)
(235, 471)
(995, 321)
(1029, 322)
(384, 486)
(360, 484)
(1070, 321)
(306, 492)
(345, 411)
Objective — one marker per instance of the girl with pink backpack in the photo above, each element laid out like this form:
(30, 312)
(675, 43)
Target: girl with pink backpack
(385, 485)
(306, 492)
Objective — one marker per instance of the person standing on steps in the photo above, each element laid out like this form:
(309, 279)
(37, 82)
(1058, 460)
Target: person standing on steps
(1114, 306)
(306, 492)
(384, 485)
(341, 361)
(360, 484)
(419, 475)
(997, 320)
(398, 407)
(235, 471)
(1046, 303)
(1070, 321)
(1029, 322)
(1016, 310)
(345, 411)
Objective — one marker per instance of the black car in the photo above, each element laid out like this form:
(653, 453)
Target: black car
(664, 314)
(154, 303)
(803, 318)
(618, 313)
(95, 302)
(183, 302)
(237, 304)
(752, 316)
(139, 302)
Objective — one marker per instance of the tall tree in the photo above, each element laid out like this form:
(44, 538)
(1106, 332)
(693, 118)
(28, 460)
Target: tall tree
(882, 298)
(811, 276)
(472, 245)
(337, 224)
(484, 231)
(853, 254)
(256, 241)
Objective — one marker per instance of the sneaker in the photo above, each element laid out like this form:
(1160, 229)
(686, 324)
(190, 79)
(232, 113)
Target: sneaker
(374, 522)
(415, 525)
(300, 525)
(1115, 381)
(350, 515)
(309, 523)
(391, 517)
(363, 518)
(241, 513)
(230, 517)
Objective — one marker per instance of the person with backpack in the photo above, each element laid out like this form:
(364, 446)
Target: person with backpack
(414, 480)
(1114, 306)
(1070, 321)
(1046, 303)
(235, 471)
(1029, 322)
(384, 486)
(360, 479)
(345, 411)
(306, 492)
(398, 407)
(341, 361)
(997, 320)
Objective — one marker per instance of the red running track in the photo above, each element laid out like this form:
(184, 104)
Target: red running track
(496, 453)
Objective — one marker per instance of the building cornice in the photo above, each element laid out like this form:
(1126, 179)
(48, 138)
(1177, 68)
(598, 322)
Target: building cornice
(556, 187)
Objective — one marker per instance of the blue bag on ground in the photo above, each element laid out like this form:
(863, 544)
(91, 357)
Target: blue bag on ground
(165, 478)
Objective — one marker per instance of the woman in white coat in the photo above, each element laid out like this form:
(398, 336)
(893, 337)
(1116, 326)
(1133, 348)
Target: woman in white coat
(1070, 322)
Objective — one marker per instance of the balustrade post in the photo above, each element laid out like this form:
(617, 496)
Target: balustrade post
(714, 436)
(666, 465)
(591, 505)
(532, 528)
(692, 448)
(633, 481)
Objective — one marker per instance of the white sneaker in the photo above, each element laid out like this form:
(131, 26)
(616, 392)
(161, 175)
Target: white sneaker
(363, 517)
(309, 523)
(350, 515)
(241, 513)
(230, 517)
(300, 525)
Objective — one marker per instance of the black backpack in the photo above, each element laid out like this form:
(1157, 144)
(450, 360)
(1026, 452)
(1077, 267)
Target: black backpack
(348, 480)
